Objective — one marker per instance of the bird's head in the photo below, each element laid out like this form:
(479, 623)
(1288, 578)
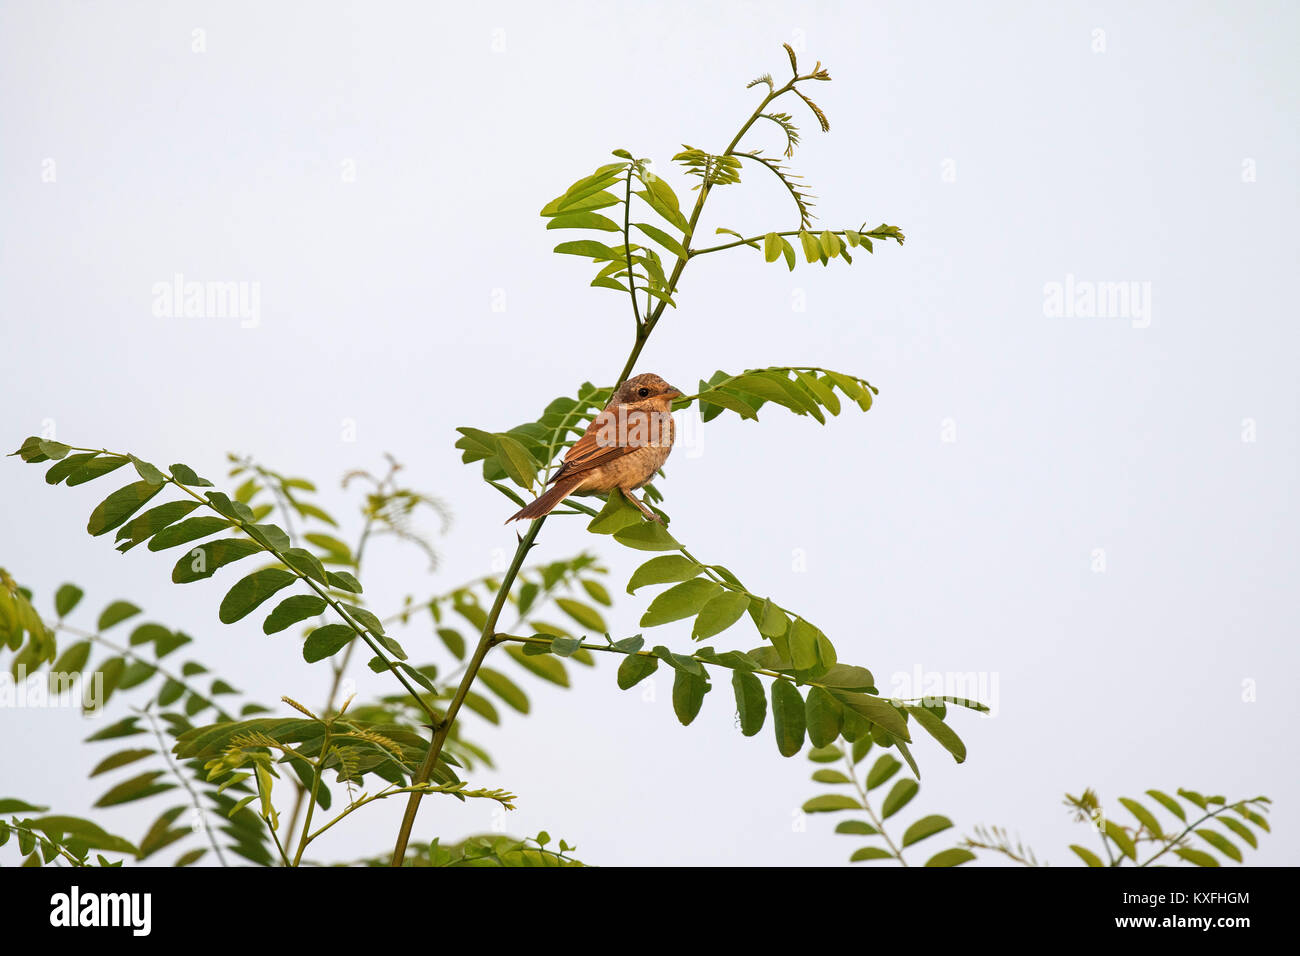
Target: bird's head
(646, 389)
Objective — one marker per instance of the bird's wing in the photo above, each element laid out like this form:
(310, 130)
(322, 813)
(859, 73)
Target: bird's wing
(599, 445)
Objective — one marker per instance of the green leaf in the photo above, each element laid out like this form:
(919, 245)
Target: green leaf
(877, 710)
(343, 581)
(721, 397)
(830, 802)
(1121, 838)
(137, 788)
(186, 476)
(1169, 803)
(1240, 829)
(545, 667)
(787, 717)
(73, 658)
(291, 610)
(66, 598)
(688, 694)
(249, 592)
(565, 646)
(787, 250)
(95, 468)
(719, 613)
(187, 530)
(751, 702)
(69, 830)
(953, 857)
(882, 770)
(823, 717)
(827, 754)
(848, 677)
(115, 613)
(326, 641)
(940, 731)
(630, 645)
(662, 200)
(773, 386)
(661, 237)
(1088, 857)
(812, 248)
(803, 644)
(635, 668)
(62, 469)
(121, 759)
(583, 220)
(11, 805)
(663, 570)
(204, 560)
(300, 559)
(119, 506)
(1220, 843)
(647, 536)
(856, 827)
(617, 514)
(900, 794)
(680, 601)
(771, 620)
(148, 472)
(1144, 816)
(152, 521)
(870, 853)
(453, 641)
(925, 827)
(584, 614)
(518, 463)
(505, 688)
(771, 247)
(1198, 857)
(588, 248)
(830, 776)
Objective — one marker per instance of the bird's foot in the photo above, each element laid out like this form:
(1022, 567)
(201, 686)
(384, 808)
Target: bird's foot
(641, 506)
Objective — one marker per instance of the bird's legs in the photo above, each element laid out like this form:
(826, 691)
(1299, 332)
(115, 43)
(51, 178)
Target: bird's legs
(627, 493)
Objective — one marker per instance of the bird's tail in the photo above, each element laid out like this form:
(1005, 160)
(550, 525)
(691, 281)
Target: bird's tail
(547, 502)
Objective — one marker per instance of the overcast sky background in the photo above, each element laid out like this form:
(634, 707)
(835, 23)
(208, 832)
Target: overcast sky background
(1170, 159)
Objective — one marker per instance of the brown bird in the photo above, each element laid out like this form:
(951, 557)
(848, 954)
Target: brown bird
(621, 449)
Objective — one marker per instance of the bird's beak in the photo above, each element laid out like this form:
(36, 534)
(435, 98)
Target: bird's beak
(674, 392)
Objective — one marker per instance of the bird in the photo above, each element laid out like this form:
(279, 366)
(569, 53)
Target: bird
(621, 449)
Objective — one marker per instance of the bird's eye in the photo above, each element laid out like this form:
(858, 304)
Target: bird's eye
(643, 392)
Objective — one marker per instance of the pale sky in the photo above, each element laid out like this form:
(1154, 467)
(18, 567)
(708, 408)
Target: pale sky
(1097, 514)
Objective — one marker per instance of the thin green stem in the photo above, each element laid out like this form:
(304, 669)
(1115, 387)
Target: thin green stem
(185, 782)
(131, 655)
(755, 240)
(627, 244)
(305, 838)
(42, 839)
(866, 805)
(1190, 827)
(443, 726)
(284, 856)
